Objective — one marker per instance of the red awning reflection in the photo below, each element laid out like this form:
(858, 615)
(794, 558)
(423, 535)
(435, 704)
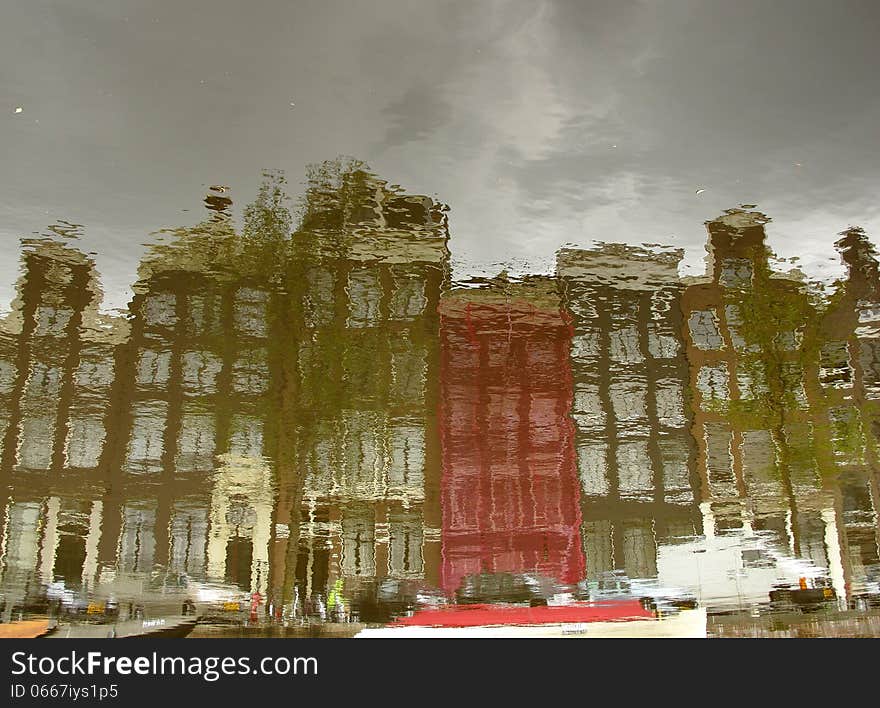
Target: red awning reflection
(493, 615)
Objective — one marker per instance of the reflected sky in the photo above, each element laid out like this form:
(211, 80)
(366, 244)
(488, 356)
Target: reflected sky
(543, 124)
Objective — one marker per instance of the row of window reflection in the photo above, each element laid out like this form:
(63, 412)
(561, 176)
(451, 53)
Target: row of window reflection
(59, 539)
(705, 329)
(637, 472)
(367, 304)
(626, 345)
(763, 456)
(364, 293)
(361, 441)
(357, 456)
(629, 404)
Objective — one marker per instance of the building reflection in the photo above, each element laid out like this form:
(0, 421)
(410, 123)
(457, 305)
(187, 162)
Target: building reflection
(511, 499)
(263, 418)
(372, 264)
(56, 372)
(774, 421)
(317, 420)
(634, 450)
(846, 404)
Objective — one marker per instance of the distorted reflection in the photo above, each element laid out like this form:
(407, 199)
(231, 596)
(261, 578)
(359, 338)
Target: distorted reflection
(313, 429)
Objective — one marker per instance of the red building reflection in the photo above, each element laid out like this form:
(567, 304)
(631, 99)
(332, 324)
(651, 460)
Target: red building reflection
(510, 490)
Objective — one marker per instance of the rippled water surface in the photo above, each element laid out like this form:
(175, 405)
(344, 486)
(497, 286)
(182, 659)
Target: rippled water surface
(588, 330)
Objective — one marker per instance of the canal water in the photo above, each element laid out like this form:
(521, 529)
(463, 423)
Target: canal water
(319, 318)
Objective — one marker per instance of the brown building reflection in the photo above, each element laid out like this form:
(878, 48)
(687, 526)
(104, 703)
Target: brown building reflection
(56, 369)
(631, 406)
(745, 333)
(847, 410)
(778, 429)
